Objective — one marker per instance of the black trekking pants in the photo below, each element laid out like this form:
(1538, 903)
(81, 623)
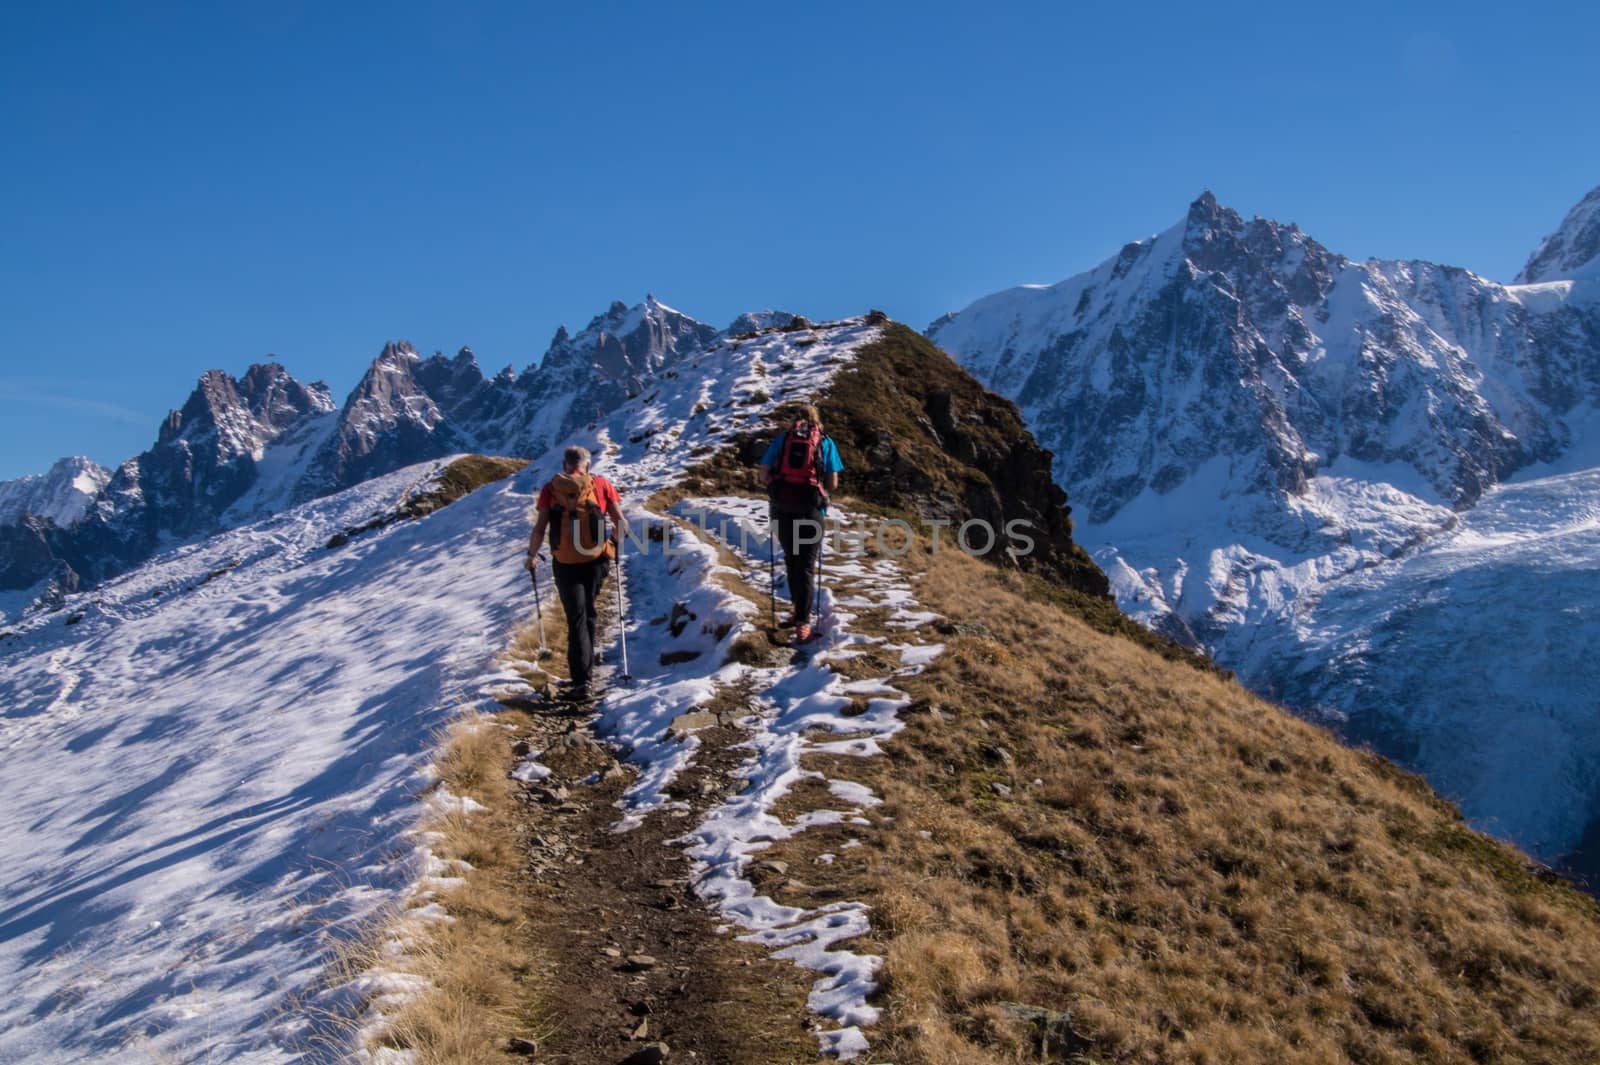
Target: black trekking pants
(800, 535)
(578, 584)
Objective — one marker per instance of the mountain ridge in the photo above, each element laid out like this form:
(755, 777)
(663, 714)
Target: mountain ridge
(241, 448)
(1249, 422)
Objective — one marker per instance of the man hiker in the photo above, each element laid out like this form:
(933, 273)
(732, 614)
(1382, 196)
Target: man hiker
(571, 508)
(802, 468)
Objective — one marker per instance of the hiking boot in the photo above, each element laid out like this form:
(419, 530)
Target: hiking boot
(803, 633)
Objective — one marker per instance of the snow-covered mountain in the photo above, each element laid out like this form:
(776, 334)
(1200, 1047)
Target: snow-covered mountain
(407, 408)
(1248, 422)
(31, 508)
(61, 495)
(1572, 251)
(241, 449)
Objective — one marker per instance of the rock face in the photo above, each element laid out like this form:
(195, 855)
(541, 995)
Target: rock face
(203, 460)
(1571, 252)
(936, 444)
(1250, 343)
(239, 449)
(391, 420)
(1275, 451)
(25, 555)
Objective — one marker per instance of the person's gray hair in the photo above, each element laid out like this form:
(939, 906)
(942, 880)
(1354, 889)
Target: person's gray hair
(575, 459)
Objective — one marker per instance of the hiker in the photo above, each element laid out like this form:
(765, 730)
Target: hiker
(801, 468)
(571, 507)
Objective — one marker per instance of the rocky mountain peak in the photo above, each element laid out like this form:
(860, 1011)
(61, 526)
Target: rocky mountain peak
(277, 400)
(383, 391)
(397, 414)
(1218, 239)
(60, 495)
(1206, 213)
(245, 411)
(1572, 252)
(450, 382)
(1250, 343)
(626, 342)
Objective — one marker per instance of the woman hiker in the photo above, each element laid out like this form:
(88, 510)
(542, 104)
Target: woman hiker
(802, 468)
(571, 508)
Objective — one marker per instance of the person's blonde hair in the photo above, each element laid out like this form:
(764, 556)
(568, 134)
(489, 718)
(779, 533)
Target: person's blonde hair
(808, 412)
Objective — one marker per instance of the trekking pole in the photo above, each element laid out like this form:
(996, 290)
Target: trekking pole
(816, 585)
(538, 609)
(772, 572)
(622, 625)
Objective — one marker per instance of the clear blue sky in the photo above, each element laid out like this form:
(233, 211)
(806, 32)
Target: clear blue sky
(187, 187)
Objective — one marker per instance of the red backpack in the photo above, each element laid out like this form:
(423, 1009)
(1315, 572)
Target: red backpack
(796, 484)
(576, 520)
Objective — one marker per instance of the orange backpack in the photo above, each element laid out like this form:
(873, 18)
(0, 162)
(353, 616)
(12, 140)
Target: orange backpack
(576, 529)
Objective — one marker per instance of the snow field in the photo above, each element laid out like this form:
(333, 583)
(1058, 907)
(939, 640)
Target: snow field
(214, 771)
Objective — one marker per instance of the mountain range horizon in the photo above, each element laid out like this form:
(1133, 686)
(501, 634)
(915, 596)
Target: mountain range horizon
(1543, 258)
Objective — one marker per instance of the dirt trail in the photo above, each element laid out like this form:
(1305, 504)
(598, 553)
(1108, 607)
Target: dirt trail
(601, 897)
(635, 957)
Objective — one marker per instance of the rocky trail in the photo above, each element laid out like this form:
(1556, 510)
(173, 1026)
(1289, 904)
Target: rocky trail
(636, 961)
(668, 932)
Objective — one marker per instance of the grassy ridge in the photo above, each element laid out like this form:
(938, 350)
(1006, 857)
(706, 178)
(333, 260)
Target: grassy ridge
(1100, 854)
(1169, 869)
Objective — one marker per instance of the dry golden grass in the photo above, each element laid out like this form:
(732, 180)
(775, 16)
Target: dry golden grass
(478, 964)
(525, 642)
(1195, 875)
(465, 475)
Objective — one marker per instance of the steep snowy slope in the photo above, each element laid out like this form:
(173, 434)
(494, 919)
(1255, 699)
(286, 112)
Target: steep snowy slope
(213, 757)
(211, 769)
(1245, 419)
